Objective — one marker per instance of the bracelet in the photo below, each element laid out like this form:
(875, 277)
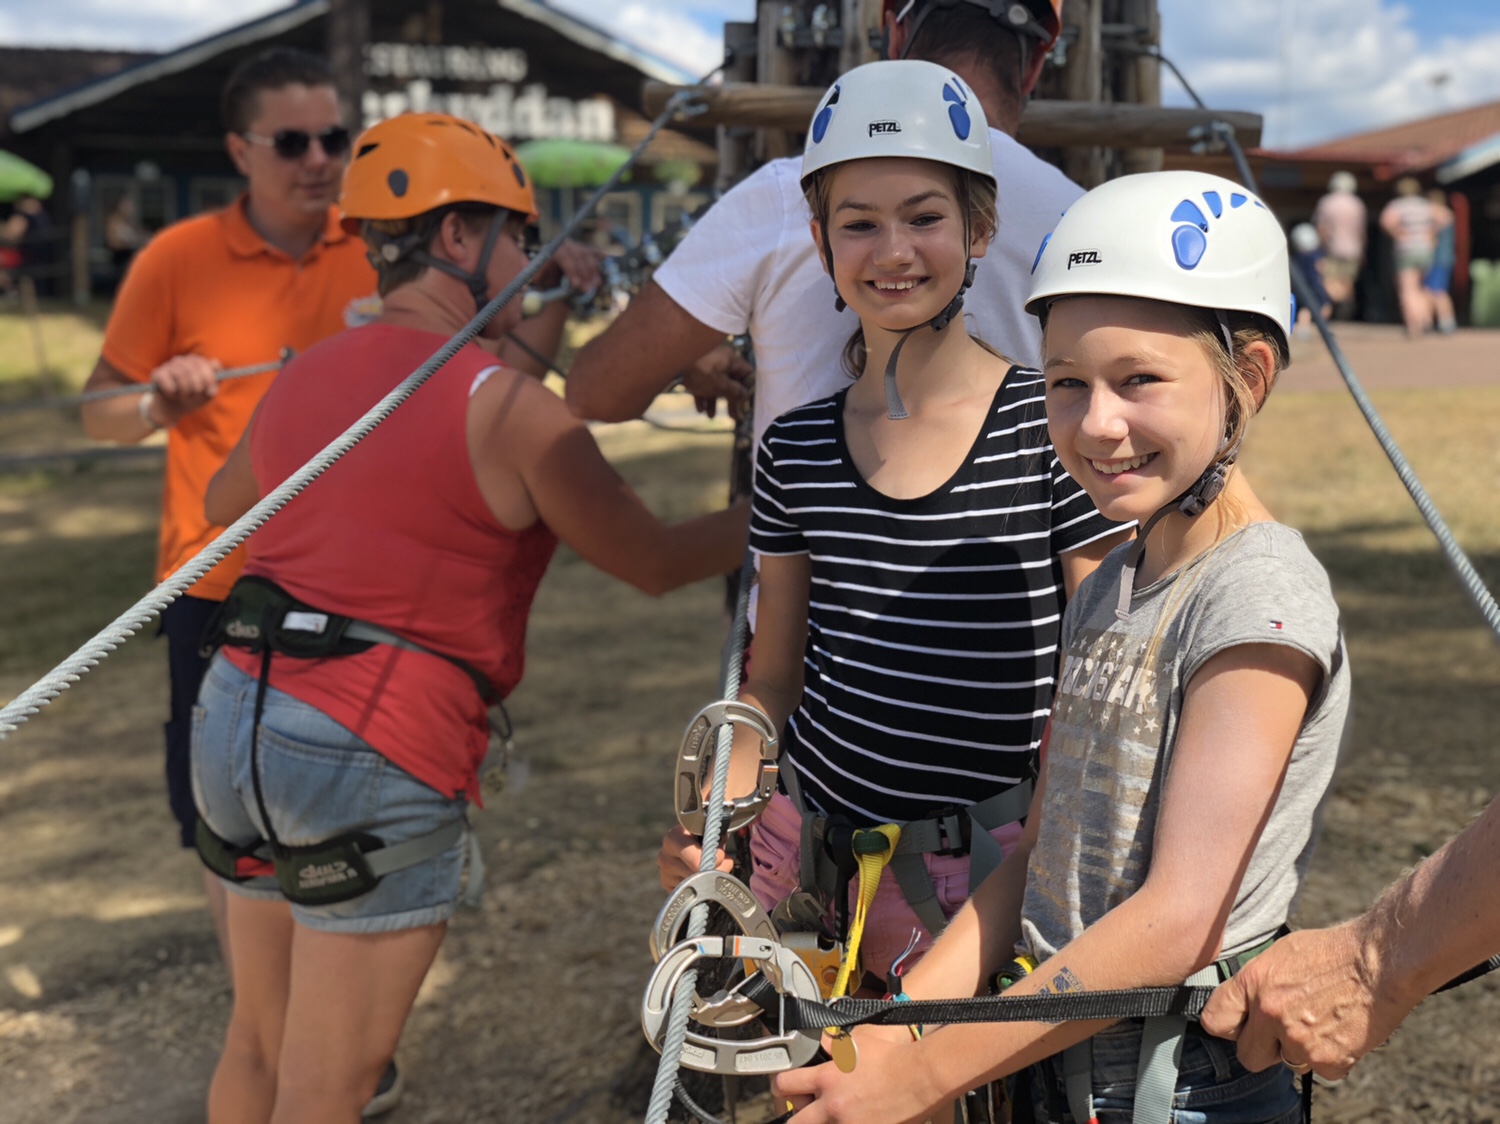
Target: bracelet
(144, 409)
(915, 1028)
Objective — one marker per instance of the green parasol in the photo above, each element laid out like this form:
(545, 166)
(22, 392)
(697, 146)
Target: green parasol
(570, 163)
(18, 178)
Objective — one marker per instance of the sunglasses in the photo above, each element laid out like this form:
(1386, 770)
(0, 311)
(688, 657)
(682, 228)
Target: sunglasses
(292, 144)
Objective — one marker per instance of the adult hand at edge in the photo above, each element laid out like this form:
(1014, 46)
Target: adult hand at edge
(1311, 998)
(719, 374)
(181, 385)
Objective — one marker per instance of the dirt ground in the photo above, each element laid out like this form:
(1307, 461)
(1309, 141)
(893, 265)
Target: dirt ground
(112, 1002)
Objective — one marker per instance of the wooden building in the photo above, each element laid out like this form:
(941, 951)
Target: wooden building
(151, 128)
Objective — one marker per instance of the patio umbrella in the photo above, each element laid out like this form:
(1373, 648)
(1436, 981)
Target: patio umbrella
(18, 177)
(570, 163)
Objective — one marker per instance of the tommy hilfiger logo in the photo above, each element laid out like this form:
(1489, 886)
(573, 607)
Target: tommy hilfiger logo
(1084, 257)
(884, 127)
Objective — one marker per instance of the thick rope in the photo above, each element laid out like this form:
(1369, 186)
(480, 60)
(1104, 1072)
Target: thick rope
(732, 669)
(67, 400)
(30, 701)
(1473, 584)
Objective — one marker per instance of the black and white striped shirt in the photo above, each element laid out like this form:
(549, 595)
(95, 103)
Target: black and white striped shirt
(932, 622)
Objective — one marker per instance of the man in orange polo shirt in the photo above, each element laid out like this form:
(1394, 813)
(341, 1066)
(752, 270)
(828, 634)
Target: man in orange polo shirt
(220, 290)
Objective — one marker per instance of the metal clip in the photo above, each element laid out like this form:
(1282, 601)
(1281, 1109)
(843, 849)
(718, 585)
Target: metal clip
(699, 744)
(714, 888)
(772, 1053)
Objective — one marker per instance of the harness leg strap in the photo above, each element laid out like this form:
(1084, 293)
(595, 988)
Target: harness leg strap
(918, 890)
(1161, 1057)
(1078, 1080)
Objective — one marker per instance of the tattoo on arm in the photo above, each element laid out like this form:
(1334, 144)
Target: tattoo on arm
(1062, 983)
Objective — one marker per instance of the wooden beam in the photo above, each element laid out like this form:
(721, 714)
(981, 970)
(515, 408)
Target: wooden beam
(1051, 124)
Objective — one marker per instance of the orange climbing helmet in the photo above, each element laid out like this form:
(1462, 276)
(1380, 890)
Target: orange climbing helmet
(420, 163)
(408, 165)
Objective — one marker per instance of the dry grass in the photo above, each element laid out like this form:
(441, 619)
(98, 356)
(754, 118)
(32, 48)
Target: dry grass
(110, 1000)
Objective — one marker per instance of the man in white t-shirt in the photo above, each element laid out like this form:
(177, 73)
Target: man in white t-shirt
(750, 264)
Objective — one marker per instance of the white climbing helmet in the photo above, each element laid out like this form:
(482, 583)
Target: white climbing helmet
(899, 108)
(1185, 237)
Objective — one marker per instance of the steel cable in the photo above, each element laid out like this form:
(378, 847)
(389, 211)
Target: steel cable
(64, 401)
(731, 670)
(41, 693)
(1468, 576)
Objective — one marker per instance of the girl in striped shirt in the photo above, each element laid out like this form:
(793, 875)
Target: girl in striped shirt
(915, 531)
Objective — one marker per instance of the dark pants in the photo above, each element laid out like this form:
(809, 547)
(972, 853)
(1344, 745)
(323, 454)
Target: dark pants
(182, 623)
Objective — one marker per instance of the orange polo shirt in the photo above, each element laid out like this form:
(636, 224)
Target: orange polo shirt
(211, 286)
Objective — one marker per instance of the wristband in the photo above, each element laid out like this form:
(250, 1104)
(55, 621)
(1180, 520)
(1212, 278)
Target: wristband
(144, 409)
(915, 1028)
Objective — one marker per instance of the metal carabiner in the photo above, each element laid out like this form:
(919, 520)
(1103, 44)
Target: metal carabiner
(716, 888)
(724, 1008)
(772, 1053)
(699, 744)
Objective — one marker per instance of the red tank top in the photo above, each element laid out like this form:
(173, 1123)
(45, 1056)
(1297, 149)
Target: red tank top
(397, 534)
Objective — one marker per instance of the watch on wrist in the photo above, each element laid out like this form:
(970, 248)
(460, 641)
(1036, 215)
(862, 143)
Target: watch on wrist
(144, 408)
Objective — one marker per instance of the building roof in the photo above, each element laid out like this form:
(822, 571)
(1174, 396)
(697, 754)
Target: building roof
(28, 74)
(279, 22)
(1414, 146)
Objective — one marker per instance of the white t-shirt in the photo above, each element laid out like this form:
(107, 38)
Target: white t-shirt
(750, 265)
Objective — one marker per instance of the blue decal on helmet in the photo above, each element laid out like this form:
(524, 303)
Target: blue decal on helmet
(1188, 245)
(1259, 204)
(1036, 261)
(954, 92)
(1187, 211)
(1237, 200)
(1214, 204)
(825, 115)
(1294, 308)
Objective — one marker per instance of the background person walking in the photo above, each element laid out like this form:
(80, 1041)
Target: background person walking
(1342, 222)
(1412, 224)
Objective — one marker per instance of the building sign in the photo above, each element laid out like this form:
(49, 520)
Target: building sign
(408, 71)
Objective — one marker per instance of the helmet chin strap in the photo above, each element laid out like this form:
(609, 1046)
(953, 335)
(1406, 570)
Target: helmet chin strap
(1192, 503)
(478, 281)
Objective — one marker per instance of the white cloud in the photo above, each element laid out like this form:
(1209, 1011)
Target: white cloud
(1319, 69)
(667, 30)
(148, 25)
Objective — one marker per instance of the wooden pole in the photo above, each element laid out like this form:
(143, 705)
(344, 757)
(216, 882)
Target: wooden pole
(774, 66)
(34, 318)
(1050, 123)
(736, 142)
(348, 33)
(1083, 81)
(859, 19)
(1142, 79)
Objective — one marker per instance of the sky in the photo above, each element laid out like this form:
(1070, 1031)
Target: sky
(1316, 69)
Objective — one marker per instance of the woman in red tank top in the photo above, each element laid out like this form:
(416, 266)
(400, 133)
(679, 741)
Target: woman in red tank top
(435, 531)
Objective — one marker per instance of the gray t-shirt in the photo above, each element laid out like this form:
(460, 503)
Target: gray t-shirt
(1115, 719)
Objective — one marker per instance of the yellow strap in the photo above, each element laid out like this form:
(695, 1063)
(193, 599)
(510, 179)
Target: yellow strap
(872, 861)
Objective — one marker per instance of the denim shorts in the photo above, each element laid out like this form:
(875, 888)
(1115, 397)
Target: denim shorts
(318, 781)
(1212, 1086)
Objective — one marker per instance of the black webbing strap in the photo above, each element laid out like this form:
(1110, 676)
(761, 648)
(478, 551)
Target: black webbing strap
(1127, 1003)
(1131, 1003)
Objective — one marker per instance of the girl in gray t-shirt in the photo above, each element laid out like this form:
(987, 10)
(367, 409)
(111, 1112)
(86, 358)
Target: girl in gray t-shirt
(1202, 687)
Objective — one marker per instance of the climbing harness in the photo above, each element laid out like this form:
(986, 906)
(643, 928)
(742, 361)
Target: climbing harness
(70, 670)
(263, 619)
(828, 862)
(64, 401)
